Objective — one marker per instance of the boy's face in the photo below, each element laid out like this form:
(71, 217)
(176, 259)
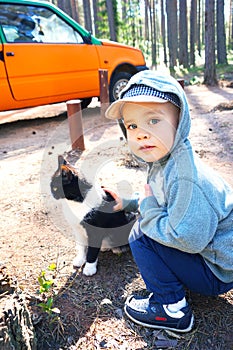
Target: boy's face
(151, 128)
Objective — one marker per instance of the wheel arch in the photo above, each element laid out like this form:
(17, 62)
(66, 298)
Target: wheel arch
(124, 67)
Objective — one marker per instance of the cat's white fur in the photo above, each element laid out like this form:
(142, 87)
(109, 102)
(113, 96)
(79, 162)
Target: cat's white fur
(74, 213)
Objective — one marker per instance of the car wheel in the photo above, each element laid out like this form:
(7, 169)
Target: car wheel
(85, 102)
(118, 83)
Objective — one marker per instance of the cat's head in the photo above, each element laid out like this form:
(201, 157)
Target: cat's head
(65, 182)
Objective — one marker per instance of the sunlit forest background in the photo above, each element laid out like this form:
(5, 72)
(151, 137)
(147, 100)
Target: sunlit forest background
(184, 35)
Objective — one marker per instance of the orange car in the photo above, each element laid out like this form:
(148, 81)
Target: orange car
(47, 57)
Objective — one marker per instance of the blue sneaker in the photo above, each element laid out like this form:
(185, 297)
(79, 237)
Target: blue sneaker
(151, 314)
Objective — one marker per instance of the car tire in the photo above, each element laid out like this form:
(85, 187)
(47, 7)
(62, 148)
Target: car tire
(85, 102)
(118, 82)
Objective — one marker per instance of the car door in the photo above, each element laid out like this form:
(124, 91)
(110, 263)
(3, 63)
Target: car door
(45, 56)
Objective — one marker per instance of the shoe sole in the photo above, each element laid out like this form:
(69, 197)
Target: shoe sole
(160, 327)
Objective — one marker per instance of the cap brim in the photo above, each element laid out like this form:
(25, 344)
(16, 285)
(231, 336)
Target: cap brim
(114, 110)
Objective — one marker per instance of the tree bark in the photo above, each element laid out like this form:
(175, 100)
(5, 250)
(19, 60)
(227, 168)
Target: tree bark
(221, 33)
(199, 17)
(231, 38)
(210, 66)
(183, 35)
(111, 21)
(97, 19)
(153, 35)
(193, 31)
(163, 32)
(74, 10)
(171, 9)
(87, 15)
(16, 328)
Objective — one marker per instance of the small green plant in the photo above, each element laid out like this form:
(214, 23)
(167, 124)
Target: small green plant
(46, 289)
(195, 80)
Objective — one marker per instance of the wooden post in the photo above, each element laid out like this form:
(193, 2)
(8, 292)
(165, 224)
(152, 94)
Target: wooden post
(104, 91)
(74, 112)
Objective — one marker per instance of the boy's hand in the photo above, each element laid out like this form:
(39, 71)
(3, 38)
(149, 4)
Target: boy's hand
(148, 191)
(118, 200)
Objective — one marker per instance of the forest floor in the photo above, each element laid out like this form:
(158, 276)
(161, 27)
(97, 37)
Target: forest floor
(34, 235)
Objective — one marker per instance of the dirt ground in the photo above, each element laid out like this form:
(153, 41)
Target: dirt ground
(34, 234)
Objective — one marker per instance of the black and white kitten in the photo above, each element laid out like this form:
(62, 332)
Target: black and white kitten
(104, 228)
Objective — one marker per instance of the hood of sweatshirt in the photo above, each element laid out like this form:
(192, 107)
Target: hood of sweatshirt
(165, 84)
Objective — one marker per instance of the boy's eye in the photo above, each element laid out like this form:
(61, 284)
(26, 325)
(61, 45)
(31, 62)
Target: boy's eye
(132, 126)
(153, 121)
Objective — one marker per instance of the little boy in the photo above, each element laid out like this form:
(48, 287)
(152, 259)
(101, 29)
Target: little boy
(184, 236)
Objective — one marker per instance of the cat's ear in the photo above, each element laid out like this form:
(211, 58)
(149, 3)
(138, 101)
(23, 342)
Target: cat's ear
(61, 161)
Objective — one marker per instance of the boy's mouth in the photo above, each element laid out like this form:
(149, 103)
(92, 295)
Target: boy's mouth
(146, 148)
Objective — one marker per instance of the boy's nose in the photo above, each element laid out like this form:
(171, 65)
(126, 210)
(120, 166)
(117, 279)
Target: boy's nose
(142, 135)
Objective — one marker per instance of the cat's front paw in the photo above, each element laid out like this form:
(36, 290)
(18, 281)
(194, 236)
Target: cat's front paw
(79, 260)
(90, 268)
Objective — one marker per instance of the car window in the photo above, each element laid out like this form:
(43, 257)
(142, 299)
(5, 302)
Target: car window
(25, 23)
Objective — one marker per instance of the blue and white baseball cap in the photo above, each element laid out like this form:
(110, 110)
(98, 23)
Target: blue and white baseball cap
(139, 92)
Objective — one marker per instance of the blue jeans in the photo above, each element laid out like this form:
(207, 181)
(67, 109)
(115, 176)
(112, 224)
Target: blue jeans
(166, 271)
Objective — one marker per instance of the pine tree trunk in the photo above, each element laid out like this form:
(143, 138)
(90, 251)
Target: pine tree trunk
(210, 66)
(96, 17)
(87, 15)
(221, 33)
(74, 10)
(193, 31)
(199, 17)
(111, 22)
(183, 35)
(171, 9)
(163, 32)
(231, 40)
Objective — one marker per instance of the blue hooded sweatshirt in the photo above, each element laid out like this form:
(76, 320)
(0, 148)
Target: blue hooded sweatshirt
(192, 207)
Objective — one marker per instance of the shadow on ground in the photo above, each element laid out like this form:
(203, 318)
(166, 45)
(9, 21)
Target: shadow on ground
(92, 314)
